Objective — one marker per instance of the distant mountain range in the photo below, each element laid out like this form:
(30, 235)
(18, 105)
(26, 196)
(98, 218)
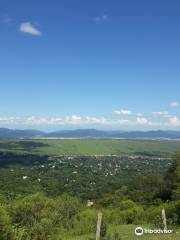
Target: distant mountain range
(6, 133)
(13, 133)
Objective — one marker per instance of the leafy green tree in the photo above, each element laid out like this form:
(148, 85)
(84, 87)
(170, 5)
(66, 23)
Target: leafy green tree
(147, 189)
(172, 178)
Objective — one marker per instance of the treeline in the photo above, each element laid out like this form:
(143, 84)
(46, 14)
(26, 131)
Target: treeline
(10, 158)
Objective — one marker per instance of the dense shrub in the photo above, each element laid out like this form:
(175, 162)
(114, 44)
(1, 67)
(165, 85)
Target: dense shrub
(42, 216)
(127, 213)
(154, 214)
(86, 222)
(6, 230)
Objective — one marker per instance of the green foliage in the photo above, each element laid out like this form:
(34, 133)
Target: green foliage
(20, 233)
(39, 217)
(42, 216)
(113, 236)
(172, 178)
(6, 230)
(128, 212)
(128, 204)
(2, 199)
(85, 222)
(177, 207)
(147, 189)
(154, 214)
(132, 215)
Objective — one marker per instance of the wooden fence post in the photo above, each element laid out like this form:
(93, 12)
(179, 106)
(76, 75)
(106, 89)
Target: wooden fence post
(99, 221)
(164, 219)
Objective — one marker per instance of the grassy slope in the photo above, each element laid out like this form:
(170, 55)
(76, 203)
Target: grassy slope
(93, 147)
(127, 233)
(105, 147)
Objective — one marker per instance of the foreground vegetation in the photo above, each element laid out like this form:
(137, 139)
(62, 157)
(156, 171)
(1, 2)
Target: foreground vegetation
(38, 217)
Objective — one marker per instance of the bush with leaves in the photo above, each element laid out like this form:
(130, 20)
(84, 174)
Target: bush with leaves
(154, 214)
(42, 216)
(85, 222)
(127, 212)
(6, 230)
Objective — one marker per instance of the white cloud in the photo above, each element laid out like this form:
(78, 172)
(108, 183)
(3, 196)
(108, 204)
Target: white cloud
(68, 120)
(160, 113)
(102, 18)
(143, 121)
(174, 104)
(122, 112)
(95, 120)
(28, 28)
(88, 121)
(164, 114)
(174, 121)
(75, 120)
(71, 120)
(127, 112)
(124, 122)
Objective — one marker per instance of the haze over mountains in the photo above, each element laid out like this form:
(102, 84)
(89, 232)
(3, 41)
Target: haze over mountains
(16, 133)
(6, 133)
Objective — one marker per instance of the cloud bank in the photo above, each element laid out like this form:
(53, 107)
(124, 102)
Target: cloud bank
(76, 120)
(116, 119)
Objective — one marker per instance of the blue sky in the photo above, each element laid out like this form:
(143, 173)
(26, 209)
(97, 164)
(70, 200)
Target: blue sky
(98, 63)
